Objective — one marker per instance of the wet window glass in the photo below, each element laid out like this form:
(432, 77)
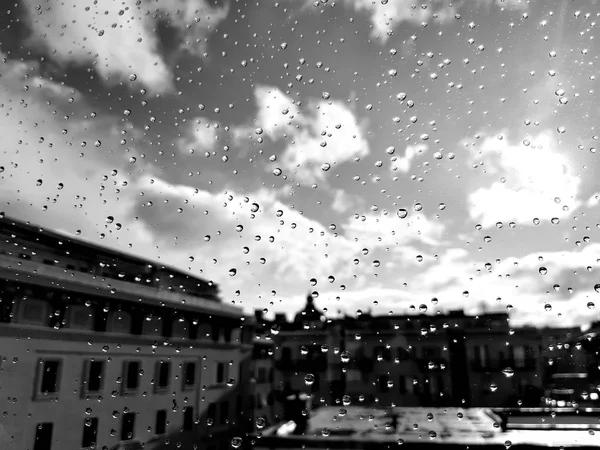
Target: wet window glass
(268, 224)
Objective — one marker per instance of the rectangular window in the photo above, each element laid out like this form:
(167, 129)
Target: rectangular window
(95, 373)
(224, 412)
(189, 374)
(519, 356)
(128, 426)
(440, 384)
(90, 431)
(402, 384)
(161, 422)
(239, 404)
(221, 373)
(163, 374)
(211, 414)
(261, 375)
(383, 383)
(132, 375)
(43, 436)
(49, 377)
(188, 418)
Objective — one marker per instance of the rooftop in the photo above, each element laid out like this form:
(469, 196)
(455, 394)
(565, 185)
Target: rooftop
(331, 427)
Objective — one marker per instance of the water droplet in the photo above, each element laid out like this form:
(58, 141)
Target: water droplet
(236, 442)
(309, 379)
(402, 213)
(543, 271)
(232, 272)
(345, 356)
(418, 207)
(508, 372)
(325, 167)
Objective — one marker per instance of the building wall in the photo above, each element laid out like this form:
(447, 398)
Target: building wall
(22, 354)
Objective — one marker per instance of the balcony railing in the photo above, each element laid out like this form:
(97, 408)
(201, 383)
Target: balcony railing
(432, 364)
(502, 364)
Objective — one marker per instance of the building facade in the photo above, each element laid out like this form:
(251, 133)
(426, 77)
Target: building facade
(416, 360)
(99, 347)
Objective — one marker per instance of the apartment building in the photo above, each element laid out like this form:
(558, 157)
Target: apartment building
(99, 347)
(450, 359)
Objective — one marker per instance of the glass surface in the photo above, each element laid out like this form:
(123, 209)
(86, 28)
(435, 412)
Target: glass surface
(299, 224)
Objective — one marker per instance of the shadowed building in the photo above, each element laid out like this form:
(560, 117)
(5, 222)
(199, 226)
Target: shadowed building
(99, 347)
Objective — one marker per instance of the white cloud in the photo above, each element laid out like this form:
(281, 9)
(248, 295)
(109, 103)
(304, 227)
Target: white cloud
(323, 133)
(276, 111)
(200, 136)
(403, 163)
(243, 229)
(344, 202)
(533, 181)
(54, 170)
(593, 200)
(386, 15)
(119, 38)
(387, 230)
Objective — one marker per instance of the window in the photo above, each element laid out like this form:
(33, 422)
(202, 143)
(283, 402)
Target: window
(180, 329)
(161, 422)
(440, 384)
(189, 375)
(128, 426)
(221, 372)
(49, 377)
(286, 354)
(90, 431)
(227, 335)
(34, 312)
(163, 375)
(239, 404)
(43, 436)
(382, 382)
(204, 331)
(152, 326)
(224, 412)
(80, 318)
(119, 322)
(402, 384)
(132, 375)
(95, 373)
(188, 418)
(211, 413)
(261, 375)
(215, 333)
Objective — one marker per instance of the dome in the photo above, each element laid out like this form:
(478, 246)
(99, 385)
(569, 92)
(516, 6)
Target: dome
(309, 313)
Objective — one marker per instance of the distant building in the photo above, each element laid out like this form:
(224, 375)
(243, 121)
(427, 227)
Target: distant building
(413, 360)
(99, 347)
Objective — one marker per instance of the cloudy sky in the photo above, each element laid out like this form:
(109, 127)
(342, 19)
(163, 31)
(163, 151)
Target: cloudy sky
(382, 153)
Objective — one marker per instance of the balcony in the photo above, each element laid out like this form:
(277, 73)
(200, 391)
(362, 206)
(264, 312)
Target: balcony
(432, 364)
(525, 365)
